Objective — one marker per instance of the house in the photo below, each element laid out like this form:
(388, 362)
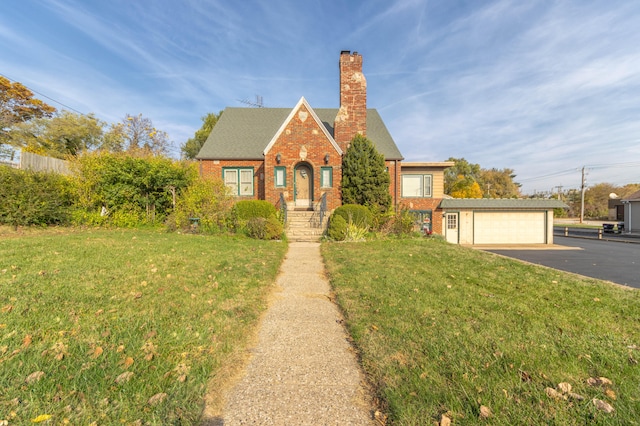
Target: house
(292, 157)
(499, 221)
(632, 212)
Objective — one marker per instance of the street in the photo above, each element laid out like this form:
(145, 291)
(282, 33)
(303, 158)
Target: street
(610, 260)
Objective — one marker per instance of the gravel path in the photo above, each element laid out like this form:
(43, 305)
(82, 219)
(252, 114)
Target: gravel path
(303, 370)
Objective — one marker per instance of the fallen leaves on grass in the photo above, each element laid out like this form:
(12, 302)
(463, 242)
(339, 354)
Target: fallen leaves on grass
(41, 418)
(34, 377)
(26, 341)
(603, 406)
(96, 352)
(124, 377)
(485, 412)
(157, 398)
(127, 362)
(59, 351)
(149, 350)
(599, 381)
(182, 370)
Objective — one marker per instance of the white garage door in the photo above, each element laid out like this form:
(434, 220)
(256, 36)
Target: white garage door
(509, 228)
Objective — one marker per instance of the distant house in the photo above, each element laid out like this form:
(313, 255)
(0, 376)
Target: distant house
(294, 155)
(632, 212)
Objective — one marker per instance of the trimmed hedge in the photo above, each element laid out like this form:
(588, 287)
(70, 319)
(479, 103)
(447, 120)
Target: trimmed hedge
(356, 214)
(265, 229)
(248, 209)
(337, 229)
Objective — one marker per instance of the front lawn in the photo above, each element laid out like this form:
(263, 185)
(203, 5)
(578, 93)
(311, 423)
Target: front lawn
(448, 331)
(123, 327)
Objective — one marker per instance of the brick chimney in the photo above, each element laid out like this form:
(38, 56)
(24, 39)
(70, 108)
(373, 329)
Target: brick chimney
(352, 116)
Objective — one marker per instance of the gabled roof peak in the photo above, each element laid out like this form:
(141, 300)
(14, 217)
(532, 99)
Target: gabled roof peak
(302, 102)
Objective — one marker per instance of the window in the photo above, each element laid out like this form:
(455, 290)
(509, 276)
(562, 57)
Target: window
(452, 221)
(239, 180)
(326, 177)
(280, 177)
(416, 186)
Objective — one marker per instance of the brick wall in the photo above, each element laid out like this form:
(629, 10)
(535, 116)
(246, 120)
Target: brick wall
(303, 141)
(214, 168)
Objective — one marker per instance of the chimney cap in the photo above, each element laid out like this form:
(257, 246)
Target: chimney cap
(345, 52)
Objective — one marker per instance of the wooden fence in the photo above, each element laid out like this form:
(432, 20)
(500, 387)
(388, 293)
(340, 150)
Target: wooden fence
(40, 163)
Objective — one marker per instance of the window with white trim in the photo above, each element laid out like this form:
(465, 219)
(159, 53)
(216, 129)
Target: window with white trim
(416, 186)
(280, 176)
(326, 177)
(239, 180)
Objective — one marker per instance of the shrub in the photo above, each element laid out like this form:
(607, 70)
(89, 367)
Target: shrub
(356, 214)
(401, 223)
(337, 229)
(355, 233)
(34, 198)
(124, 184)
(206, 199)
(264, 229)
(248, 209)
(245, 210)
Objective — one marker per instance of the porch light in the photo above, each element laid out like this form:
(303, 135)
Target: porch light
(326, 158)
(278, 158)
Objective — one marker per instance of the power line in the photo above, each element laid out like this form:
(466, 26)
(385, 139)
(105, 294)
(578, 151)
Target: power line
(43, 95)
(561, 173)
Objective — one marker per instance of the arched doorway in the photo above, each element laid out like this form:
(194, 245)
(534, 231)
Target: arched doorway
(303, 185)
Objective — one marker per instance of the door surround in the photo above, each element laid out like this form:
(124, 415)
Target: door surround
(303, 185)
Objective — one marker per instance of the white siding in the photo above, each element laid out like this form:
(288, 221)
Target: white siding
(511, 227)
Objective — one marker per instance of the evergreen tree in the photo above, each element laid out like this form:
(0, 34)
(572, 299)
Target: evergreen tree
(365, 179)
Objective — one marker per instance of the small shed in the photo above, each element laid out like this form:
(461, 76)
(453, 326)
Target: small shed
(632, 212)
(491, 221)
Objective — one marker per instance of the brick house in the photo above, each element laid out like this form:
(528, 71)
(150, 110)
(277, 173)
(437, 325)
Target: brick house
(295, 155)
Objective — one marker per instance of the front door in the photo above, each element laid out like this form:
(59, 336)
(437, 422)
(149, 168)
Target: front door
(451, 231)
(303, 186)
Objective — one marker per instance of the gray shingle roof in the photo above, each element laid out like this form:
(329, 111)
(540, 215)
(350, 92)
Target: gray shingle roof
(243, 133)
(633, 197)
(501, 203)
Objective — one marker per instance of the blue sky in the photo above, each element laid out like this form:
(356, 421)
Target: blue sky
(541, 87)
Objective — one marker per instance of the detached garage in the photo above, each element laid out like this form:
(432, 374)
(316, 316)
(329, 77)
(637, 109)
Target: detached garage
(488, 221)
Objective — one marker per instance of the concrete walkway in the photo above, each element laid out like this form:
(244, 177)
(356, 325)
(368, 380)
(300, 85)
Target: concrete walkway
(303, 370)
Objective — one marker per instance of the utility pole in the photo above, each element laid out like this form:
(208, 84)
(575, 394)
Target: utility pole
(559, 188)
(582, 198)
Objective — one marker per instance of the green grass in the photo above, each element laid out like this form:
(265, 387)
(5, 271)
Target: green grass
(443, 329)
(84, 307)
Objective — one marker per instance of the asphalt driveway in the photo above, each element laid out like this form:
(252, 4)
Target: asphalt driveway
(614, 261)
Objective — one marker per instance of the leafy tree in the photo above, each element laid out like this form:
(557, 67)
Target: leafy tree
(136, 136)
(596, 200)
(497, 183)
(466, 188)
(461, 176)
(60, 136)
(17, 105)
(365, 179)
(193, 145)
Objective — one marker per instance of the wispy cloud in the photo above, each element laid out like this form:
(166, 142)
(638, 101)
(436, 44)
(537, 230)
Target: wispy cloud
(533, 86)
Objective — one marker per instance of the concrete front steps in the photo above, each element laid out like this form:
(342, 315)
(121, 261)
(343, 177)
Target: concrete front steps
(304, 225)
